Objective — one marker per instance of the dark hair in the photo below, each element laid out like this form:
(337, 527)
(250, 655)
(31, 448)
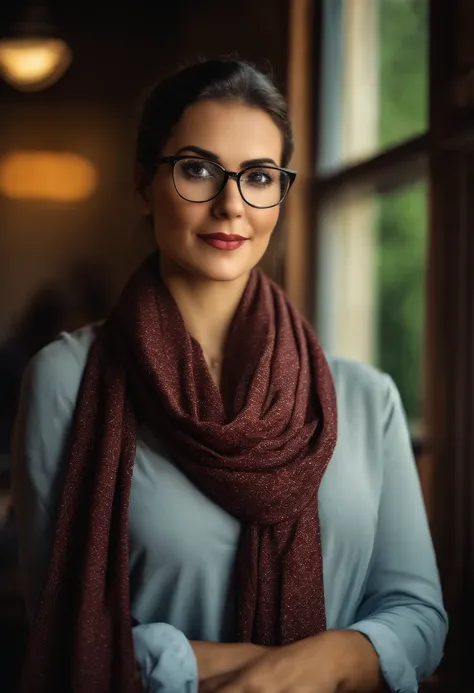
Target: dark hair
(223, 79)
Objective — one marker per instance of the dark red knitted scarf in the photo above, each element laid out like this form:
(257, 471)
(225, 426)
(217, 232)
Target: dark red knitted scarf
(259, 447)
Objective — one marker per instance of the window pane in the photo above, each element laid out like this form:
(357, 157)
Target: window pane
(371, 289)
(374, 77)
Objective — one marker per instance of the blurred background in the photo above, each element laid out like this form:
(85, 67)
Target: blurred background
(375, 246)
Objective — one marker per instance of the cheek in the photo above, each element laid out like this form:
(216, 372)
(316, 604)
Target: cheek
(172, 214)
(263, 222)
(165, 200)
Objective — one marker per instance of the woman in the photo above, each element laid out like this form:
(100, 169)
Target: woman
(180, 469)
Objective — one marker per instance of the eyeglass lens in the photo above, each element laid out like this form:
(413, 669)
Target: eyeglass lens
(198, 180)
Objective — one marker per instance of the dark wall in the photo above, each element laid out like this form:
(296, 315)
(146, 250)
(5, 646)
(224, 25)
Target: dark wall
(92, 111)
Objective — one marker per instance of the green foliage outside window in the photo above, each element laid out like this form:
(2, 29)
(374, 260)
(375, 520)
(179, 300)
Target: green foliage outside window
(402, 214)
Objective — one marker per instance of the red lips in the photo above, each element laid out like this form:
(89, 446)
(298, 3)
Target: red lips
(229, 237)
(223, 241)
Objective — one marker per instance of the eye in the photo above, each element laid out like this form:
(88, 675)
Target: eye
(260, 177)
(196, 169)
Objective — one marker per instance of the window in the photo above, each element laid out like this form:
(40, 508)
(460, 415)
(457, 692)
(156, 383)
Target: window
(374, 77)
(371, 298)
(373, 188)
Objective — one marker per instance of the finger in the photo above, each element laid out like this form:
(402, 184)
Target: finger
(230, 688)
(246, 684)
(215, 683)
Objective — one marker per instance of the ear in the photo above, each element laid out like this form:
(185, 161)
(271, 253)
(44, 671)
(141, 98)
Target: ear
(142, 186)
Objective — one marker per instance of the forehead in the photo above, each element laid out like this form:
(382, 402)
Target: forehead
(233, 131)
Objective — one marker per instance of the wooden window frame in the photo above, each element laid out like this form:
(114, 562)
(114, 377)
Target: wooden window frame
(389, 169)
(445, 154)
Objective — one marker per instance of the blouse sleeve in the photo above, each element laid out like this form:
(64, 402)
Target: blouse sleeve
(402, 613)
(50, 387)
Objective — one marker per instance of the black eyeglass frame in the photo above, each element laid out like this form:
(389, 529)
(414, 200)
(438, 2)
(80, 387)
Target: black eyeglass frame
(234, 175)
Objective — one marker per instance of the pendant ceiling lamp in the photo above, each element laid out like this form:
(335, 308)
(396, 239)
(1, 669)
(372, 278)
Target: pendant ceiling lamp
(33, 55)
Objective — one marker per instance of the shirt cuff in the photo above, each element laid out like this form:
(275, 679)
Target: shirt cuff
(166, 659)
(398, 672)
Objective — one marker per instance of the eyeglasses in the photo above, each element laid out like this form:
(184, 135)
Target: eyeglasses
(199, 180)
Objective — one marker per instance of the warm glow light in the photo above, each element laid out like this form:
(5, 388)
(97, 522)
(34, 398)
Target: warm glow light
(30, 64)
(53, 176)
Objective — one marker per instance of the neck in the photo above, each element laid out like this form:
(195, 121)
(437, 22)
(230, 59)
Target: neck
(207, 307)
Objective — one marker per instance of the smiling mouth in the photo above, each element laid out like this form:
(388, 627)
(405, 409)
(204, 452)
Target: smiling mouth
(223, 241)
(229, 237)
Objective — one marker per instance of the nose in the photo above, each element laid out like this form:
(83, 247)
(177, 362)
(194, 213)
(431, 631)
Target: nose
(229, 203)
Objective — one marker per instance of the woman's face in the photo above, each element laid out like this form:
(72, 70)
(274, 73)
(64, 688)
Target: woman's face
(234, 133)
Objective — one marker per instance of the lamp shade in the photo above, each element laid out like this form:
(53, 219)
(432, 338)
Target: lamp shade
(33, 63)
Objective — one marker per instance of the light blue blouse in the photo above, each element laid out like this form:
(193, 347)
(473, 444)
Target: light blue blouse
(380, 574)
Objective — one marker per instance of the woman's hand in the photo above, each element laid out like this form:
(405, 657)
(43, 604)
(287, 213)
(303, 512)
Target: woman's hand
(218, 660)
(333, 662)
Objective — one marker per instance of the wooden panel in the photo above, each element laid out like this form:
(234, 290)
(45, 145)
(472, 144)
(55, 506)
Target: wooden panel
(464, 28)
(450, 401)
(300, 206)
(447, 468)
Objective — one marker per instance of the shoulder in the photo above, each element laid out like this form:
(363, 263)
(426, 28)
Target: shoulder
(49, 391)
(358, 379)
(48, 395)
(364, 393)
(57, 368)
(372, 429)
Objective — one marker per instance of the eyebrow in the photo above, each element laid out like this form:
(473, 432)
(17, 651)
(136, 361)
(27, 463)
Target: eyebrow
(206, 154)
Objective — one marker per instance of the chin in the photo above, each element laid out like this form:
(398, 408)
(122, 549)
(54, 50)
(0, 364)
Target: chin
(222, 266)
(220, 273)
(227, 268)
